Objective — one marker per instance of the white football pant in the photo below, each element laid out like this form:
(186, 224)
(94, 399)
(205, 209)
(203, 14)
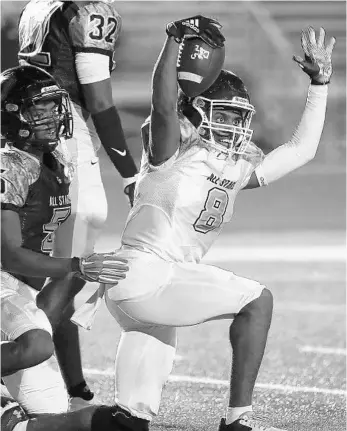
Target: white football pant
(78, 234)
(156, 297)
(39, 389)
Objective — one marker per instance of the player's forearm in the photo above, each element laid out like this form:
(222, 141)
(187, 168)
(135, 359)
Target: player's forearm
(304, 143)
(164, 82)
(110, 131)
(27, 262)
(307, 135)
(99, 102)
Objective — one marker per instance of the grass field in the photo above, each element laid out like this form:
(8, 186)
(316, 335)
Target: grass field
(302, 379)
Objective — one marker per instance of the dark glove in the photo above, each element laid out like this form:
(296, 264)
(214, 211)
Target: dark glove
(197, 26)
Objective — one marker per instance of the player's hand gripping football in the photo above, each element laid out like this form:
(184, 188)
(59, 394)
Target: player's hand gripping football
(105, 268)
(197, 26)
(317, 62)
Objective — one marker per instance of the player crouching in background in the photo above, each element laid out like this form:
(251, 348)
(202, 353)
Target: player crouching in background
(76, 42)
(35, 114)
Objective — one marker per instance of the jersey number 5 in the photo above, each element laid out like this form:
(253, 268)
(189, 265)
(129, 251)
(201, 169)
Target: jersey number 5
(211, 217)
(98, 32)
(59, 216)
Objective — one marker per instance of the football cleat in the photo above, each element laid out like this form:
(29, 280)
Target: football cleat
(246, 422)
(124, 421)
(81, 390)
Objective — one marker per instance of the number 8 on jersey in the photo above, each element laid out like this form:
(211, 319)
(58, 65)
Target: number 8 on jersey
(211, 217)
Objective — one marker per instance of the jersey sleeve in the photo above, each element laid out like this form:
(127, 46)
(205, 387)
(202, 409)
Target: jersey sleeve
(14, 183)
(96, 28)
(254, 156)
(189, 134)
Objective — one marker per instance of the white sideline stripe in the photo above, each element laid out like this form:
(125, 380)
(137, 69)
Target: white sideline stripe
(277, 254)
(209, 381)
(323, 350)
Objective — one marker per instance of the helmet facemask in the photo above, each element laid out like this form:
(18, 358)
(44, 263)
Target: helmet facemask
(226, 138)
(48, 118)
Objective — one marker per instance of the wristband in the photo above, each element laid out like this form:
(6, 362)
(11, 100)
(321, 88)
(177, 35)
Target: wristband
(313, 82)
(109, 128)
(75, 265)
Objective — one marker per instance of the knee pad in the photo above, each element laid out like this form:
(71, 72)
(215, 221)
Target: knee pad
(39, 389)
(141, 376)
(20, 314)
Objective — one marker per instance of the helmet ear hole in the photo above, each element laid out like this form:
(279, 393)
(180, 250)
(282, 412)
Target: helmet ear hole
(12, 128)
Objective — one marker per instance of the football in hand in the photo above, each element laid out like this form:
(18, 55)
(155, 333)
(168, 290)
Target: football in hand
(198, 65)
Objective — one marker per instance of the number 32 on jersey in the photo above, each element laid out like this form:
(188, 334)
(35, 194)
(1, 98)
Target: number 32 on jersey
(103, 28)
(211, 217)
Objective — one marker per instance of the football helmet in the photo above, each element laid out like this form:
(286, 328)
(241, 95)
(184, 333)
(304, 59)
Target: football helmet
(35, 111)
(227, 93)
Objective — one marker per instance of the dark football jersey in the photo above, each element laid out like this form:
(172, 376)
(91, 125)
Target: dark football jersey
(51, 32)
(39, 193)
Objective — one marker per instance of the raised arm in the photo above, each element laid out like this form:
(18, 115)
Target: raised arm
(303, 145)
(164, 124)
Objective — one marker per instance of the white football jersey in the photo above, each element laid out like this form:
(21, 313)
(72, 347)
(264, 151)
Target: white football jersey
(181, 206)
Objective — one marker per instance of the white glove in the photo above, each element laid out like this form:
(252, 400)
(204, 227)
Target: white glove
(102, 268)
(317, 63)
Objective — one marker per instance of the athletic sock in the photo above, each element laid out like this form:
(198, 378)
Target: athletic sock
(234, 413)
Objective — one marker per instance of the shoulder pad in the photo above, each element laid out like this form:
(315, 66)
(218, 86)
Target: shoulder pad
(33, 24)
(18, 171)
(96, 27)
(189, 134)
(254, 155)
